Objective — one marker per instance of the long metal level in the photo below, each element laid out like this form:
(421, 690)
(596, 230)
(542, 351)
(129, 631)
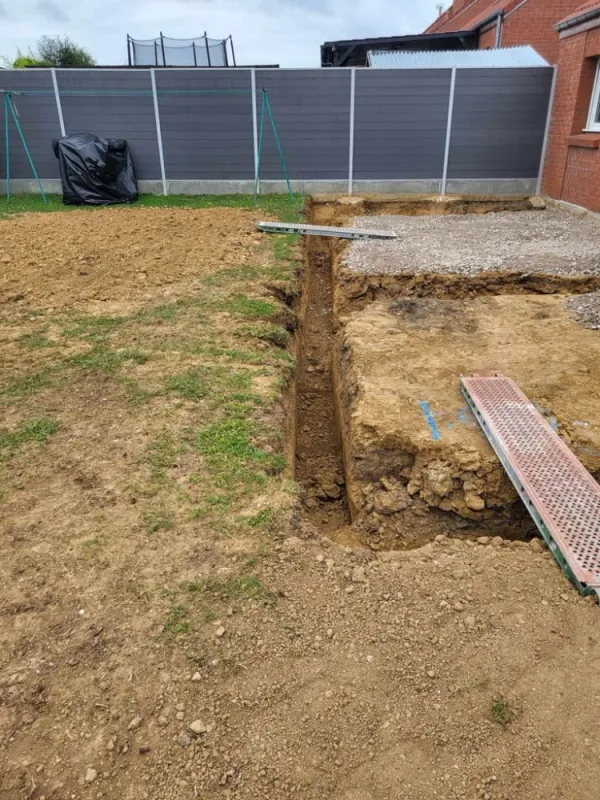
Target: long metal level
(325, 230)
(559, 493)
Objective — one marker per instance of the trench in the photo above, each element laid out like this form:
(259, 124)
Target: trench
(319, 466)
(318, 460)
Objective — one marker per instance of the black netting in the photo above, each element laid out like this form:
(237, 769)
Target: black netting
(166, 52)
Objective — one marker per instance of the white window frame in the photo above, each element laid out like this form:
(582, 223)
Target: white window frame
(592, 123)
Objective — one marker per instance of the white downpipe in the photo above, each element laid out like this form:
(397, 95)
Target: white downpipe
(547, 130)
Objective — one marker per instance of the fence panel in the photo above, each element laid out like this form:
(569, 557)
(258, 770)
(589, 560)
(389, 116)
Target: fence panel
(206, 136)
(312, 114)
(114, 116)
(38, 116)
(400, 123)
(498, 122)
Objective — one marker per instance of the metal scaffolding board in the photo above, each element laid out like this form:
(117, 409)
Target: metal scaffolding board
(325, 230)
(557, 490)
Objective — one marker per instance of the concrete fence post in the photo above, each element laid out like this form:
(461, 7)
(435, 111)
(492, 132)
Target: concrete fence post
(61, 120)
(161, 156)
(351, 136)
(255, 129)
(538, 189)
(449, 130)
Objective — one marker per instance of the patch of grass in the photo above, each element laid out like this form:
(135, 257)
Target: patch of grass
(504, 711)
(242, 587)
(176, 622)
(228, 449)
(92, 544)
(192, 384)
(36, 430)
(35, 340)
(27, 384)
(101, 359)
(251, 307)
(158, 520)
(161, 455)
(277, 204)
(93, 328)
(274, 334)
(264, 519)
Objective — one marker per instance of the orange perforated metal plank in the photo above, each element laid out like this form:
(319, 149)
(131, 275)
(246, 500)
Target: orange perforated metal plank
(559, 493)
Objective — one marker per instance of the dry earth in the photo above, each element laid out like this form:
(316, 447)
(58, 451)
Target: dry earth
(169, 629)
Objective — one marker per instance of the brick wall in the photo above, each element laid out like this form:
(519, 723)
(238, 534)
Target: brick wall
(572, 166)
(533, 23)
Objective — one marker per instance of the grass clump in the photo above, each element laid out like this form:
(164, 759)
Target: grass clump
(503, 711)
(93, 328)
(101, 359)
(229, 450)
(27, 385)
(35, 340)
(36, 430)
(251, 307)
(158, 520)
(176, 622)
(242, 587)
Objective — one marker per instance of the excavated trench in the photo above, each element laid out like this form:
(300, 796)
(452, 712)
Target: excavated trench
(372, 349)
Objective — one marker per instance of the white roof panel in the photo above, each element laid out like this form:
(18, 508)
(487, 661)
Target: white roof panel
(524, 56)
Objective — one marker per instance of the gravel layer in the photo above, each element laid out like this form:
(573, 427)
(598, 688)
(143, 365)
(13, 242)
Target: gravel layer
(553, 242)
(585, 308)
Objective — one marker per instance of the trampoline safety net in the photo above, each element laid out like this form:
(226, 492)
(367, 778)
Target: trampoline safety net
(166, 52)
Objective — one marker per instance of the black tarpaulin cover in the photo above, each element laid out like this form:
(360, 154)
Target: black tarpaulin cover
(95, 171)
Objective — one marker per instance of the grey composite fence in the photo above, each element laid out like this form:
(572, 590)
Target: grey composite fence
(340, 129)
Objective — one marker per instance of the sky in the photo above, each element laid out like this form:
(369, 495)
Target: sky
(285, 32)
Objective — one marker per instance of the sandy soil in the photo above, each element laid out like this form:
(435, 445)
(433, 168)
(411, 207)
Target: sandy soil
(115, 260)
(392, 358)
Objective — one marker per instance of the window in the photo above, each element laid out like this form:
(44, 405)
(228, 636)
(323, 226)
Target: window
(593, 123)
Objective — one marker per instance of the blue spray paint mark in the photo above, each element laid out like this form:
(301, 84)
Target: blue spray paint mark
(430, 420)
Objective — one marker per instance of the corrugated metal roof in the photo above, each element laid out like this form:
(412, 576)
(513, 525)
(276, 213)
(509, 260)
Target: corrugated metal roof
(418, 59)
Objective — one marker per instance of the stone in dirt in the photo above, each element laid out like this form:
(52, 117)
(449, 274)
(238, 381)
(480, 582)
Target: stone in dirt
(134, 724)
(197, 727)
(91, 775)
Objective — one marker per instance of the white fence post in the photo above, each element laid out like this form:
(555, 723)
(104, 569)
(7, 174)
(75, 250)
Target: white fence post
(449, 130)
(161, 156)
(255, 129)
(351, 138)
(538, 188)
(61, 120)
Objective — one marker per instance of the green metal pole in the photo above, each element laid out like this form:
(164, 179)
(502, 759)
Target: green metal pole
(7, 146)
(260, 141)
(29, 158)
(279, 150)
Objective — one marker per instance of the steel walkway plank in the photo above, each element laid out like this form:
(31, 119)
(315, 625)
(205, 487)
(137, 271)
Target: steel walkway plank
(559, 493)
(325, 230)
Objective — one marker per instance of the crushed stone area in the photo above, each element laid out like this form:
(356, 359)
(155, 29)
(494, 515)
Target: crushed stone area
(585, 309)
(118, 259)
(554, 242)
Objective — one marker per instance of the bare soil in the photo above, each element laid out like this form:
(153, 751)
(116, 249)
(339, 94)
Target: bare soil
(172, 623)
(394, 357)
(115, 260)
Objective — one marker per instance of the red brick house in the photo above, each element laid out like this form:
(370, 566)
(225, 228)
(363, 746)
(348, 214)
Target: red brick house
(505, 23)
(572, 165)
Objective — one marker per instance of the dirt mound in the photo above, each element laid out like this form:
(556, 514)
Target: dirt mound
(117, 259)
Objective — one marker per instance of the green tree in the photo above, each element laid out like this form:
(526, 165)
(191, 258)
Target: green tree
(54, 51)
(60, 51)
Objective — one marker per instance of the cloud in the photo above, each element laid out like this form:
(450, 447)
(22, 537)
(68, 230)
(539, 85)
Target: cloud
(52, 11)
(285, 32)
